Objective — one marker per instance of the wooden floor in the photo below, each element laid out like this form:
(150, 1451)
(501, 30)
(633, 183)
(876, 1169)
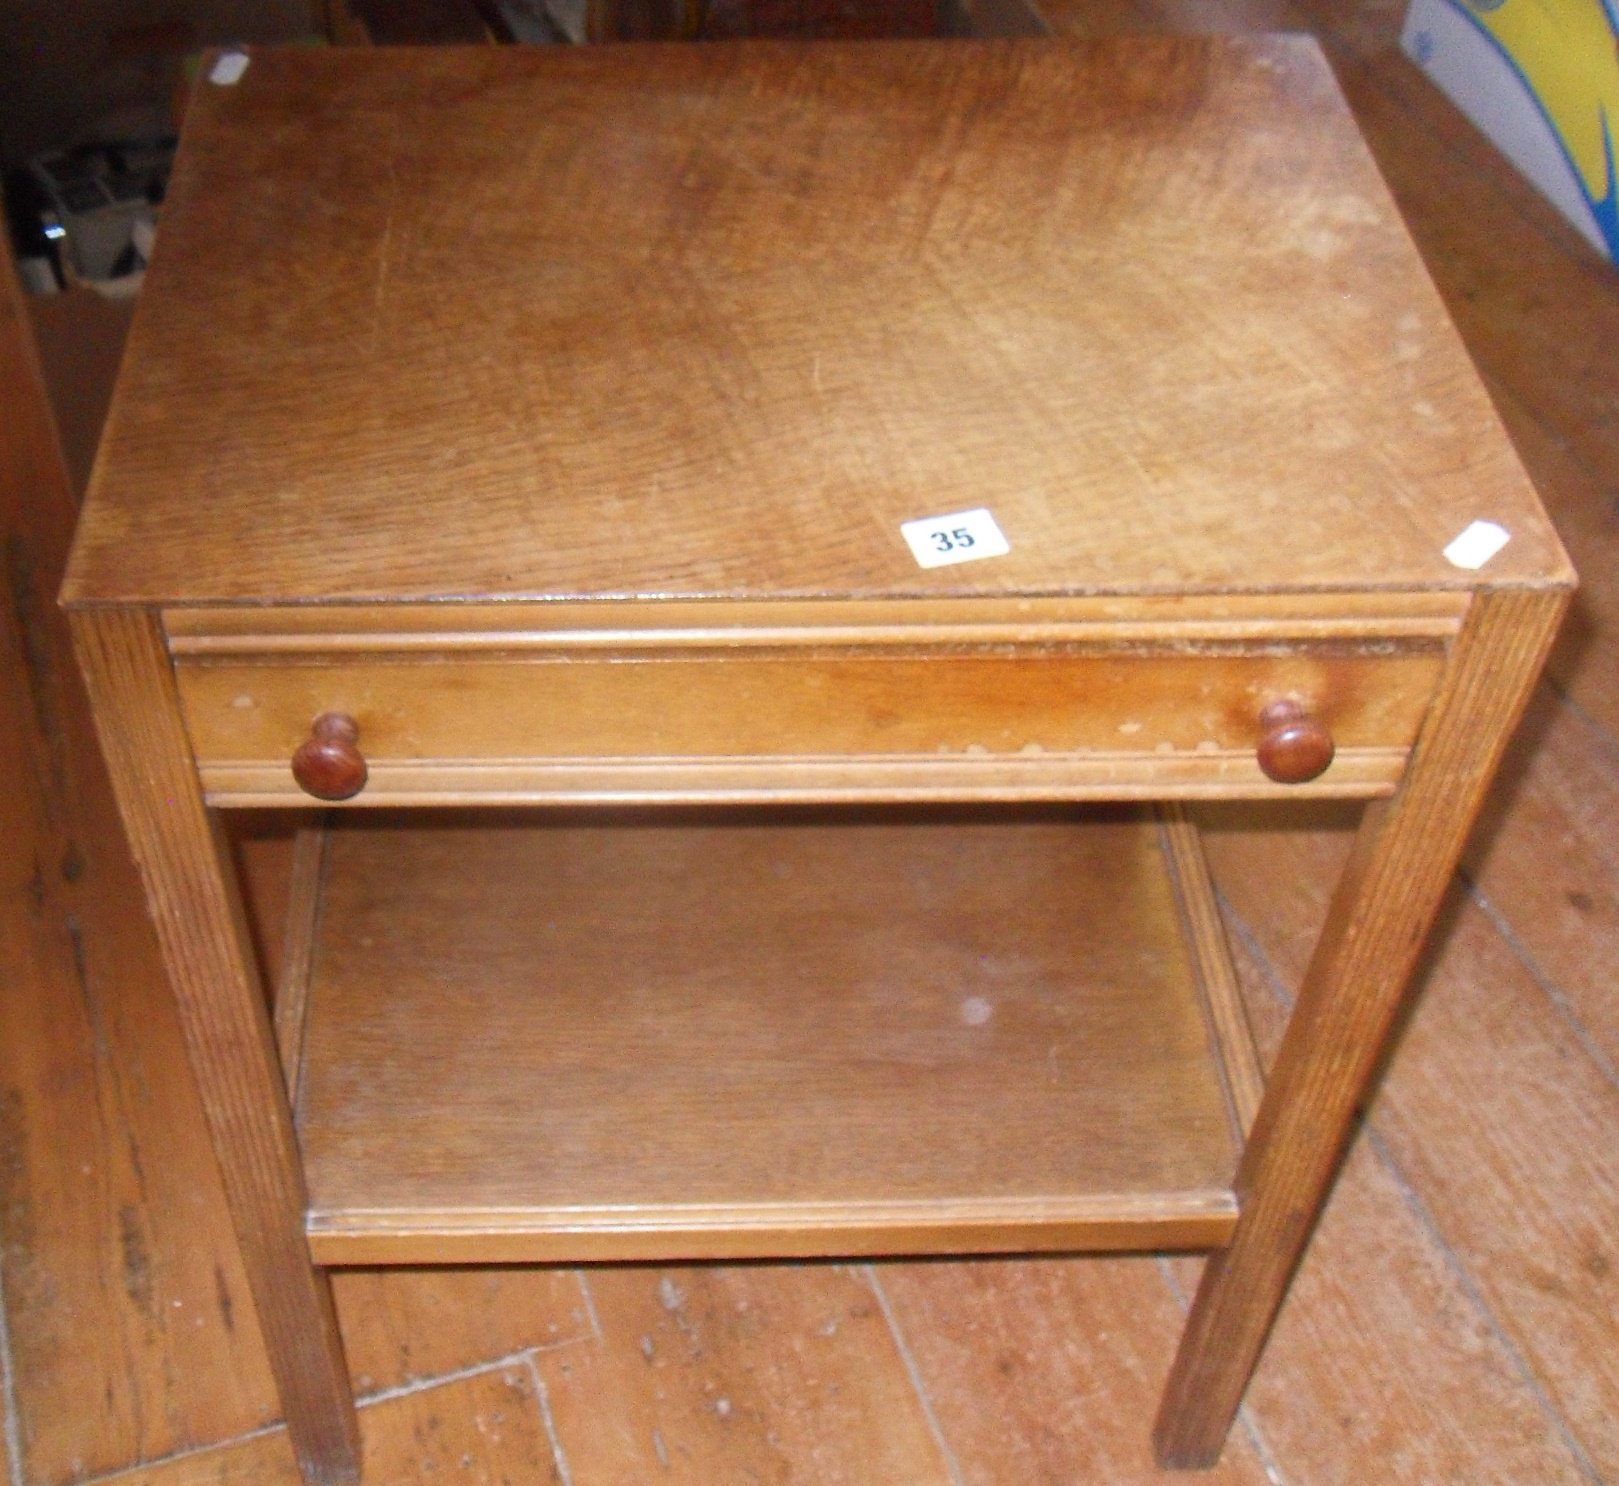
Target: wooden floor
(1457, 1319)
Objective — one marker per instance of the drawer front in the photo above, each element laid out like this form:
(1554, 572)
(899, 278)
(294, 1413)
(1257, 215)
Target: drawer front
(1037, 723)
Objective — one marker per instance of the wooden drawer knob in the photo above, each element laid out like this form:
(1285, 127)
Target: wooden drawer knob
(329, 764)
(1295, 747)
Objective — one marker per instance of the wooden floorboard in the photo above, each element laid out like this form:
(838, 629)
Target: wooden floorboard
(1044, 1370)
(129, 1330)
(407, 1326)
(1497, 1121)
(1544, 866)
(1384, 1367)
(1456, 1320)
(1386, 1352)
(757, 1373)
(485, 1430)
(1581, 502)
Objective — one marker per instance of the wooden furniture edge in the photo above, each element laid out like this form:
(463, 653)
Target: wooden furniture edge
(1401, 864)
(1236, 1054)
(371, 1209)
(298, 950)
(289, 629)
(837, 1231)
(195, 905)
(1357, 773)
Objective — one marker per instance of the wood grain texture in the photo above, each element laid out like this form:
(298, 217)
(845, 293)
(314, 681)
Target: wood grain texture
(1197, 470)
(1134, 297)
(1403, 858)
(298, 940)
(399, 1326)
(1211, 962)
(1364, 773)
(1045, 1370)
(200, 926)
(1533, 301)
(701, 1038)
(1385, 1355)
(1161, 620)
(406, 1327)
(748, 1374)
(1043, 719)
(1385, 1363)
(1483, 1048)
(982, 699)
(1545, 861)
(485, 1430)
(122, 1282)
(1383, 1360)
(1524, 1213)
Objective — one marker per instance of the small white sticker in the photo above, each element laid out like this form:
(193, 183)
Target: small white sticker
(1478, 544)
(962, 536)
(228, 70)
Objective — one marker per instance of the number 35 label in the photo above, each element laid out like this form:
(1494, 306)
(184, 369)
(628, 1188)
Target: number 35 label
(963, 536)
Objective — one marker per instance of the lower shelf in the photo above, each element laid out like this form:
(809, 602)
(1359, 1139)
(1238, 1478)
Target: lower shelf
(714, 1036)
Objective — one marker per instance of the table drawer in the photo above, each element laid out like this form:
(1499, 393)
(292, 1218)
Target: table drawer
(1030, 722)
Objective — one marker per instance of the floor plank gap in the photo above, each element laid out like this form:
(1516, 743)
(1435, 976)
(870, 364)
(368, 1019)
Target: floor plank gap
(1465, 1282)
(190, 1452)
(8, 1387)
(1456, 1320)
(1250, 1428)
(915, 1374)
(1558, 997)
(1167, 1269)
(523, 1358)
(1237, 927)
(559, 1456)
(590, 1304)
(1599, 734)
(1245, 1415)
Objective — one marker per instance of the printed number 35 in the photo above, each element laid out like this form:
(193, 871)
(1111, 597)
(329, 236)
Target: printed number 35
(948, 541)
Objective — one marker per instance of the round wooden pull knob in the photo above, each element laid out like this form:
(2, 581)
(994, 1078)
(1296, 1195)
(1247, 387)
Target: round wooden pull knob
(329, 764)
(1295, 747)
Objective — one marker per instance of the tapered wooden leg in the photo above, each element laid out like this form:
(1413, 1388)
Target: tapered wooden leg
(1397, 874)
(192, 895)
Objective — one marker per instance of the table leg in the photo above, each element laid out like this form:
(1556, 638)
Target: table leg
(1401, 864)
(192, 894)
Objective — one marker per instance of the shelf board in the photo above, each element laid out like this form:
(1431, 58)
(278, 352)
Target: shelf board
(703, 1035)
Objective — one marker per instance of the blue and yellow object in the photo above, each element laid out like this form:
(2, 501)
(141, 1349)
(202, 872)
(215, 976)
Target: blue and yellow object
(1541, 78)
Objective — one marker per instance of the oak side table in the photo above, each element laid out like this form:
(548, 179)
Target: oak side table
(758, 543)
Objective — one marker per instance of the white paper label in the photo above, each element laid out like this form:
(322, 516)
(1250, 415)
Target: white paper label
(1477, 544)
(228, 69)
(962, 536)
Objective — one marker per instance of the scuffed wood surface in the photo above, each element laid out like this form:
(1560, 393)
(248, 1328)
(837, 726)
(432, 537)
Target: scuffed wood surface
(1376, 925)
(489, 1428)
(1390, 1359)
(122, 1282)
(1497, 1121)
(716, 320)
(1072, 1351)
(1546, 866)
(196, 906)
(752, 1374)
(751, 1035)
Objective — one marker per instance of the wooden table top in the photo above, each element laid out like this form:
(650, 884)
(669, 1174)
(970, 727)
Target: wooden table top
(715, 320)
